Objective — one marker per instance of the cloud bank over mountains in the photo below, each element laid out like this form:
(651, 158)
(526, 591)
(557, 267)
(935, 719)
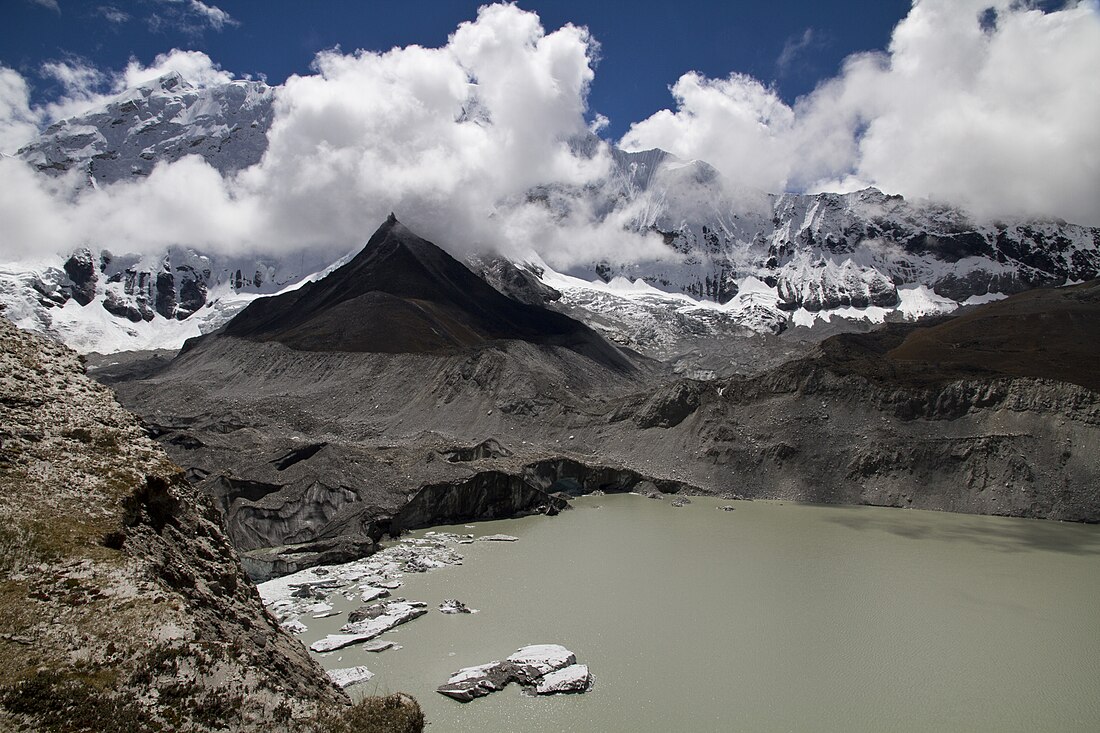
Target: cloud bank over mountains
(987, 105)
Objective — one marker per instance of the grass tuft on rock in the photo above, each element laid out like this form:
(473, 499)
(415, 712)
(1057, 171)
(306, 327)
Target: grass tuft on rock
(396, 713)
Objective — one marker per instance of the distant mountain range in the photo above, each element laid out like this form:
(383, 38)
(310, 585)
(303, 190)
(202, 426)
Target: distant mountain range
(739, 261)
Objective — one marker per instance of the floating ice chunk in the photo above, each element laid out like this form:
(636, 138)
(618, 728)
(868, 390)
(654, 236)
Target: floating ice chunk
(332, 642)
(532, 662)
(395, 613)
(349, 676)
(389, 584)
(550, 668)
(471, 682)
(574, 678)
(370, 593)
(497, 538)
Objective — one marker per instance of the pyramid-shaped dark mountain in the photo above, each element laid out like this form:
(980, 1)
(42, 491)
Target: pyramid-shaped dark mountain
(403, 294)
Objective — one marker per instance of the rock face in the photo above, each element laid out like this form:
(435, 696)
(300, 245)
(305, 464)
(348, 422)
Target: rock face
(124, 607)
(547, 669)
(485, 495)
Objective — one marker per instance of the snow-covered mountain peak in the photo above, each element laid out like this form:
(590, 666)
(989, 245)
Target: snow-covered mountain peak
(737, 259)
(163, 119)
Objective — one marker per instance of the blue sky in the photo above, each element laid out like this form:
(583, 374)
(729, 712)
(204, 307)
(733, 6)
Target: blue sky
(645, 46)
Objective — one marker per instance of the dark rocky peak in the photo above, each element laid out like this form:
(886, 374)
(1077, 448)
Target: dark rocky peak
(403, 294)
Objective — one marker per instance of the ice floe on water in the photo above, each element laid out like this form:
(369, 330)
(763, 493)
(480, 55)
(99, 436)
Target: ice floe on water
(298, 598)
(305, 592)
(544, 669)
(574, 678)
(389, 615)
(295, 600)
(349, 676)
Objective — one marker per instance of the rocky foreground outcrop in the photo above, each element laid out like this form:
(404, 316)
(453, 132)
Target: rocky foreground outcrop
(123, 606)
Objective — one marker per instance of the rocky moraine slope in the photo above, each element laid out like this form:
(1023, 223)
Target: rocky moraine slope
(123, 606)
(378, 399)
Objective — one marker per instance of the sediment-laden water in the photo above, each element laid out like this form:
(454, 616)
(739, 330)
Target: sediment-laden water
(772, 617)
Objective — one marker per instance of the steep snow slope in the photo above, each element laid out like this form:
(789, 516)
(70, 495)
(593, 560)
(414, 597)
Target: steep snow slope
(160, 121)
(826, 251)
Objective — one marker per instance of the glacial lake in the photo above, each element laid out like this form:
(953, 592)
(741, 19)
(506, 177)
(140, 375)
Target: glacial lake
(772, 617)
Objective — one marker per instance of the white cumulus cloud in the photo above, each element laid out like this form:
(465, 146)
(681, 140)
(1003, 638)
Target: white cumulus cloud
(996, 116)
(18, 122)
(215, 16)
(452, 139)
